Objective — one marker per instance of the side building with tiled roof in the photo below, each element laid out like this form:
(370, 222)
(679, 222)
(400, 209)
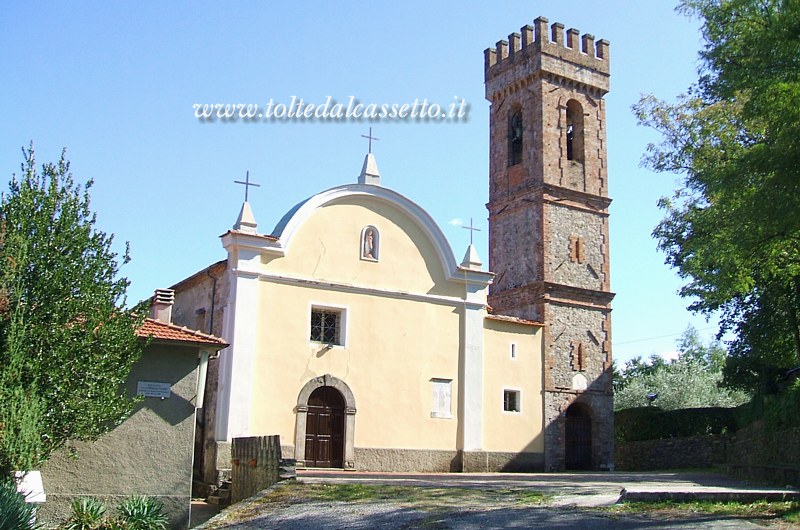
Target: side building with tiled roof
(151, 452)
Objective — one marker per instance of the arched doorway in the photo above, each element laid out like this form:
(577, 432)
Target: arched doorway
(578, 437)
(325, 399)
(325, 428)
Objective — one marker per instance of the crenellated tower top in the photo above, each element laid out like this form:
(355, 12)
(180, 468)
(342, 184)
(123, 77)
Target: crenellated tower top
(546, 50)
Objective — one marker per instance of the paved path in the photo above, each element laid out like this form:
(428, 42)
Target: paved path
(582, 489)
(574, 494)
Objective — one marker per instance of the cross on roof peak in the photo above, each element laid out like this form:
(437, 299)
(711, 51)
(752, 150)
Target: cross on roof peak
(246, 182)
(370, 137)
(471, 229)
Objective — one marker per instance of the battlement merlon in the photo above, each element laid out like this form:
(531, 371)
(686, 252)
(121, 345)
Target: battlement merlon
(539, 49)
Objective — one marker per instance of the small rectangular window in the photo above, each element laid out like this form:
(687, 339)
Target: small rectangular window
(326, 326)
(513, 351)
(511, 401)
(442, 398)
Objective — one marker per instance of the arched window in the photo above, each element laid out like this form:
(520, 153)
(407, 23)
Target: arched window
(515, 137)
(574, 131)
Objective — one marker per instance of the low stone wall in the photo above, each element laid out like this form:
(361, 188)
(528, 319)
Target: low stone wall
(752, 454)
(672, 453)
(758, 455)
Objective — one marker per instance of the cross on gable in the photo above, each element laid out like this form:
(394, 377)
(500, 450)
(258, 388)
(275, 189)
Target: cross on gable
(246, 182)
(370, 137)
(471, 229)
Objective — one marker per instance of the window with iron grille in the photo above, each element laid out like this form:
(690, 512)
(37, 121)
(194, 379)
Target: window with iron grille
(326, 326)
(511, 400)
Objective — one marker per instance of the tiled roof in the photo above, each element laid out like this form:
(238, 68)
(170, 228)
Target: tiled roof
(268, 237)
(170, 332)
(505, 318)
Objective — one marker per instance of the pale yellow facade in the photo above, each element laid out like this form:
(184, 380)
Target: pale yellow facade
(391, 385)
(513, 361)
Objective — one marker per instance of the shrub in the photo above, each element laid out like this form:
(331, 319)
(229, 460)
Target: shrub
(143, 513)
(15, 513)
(652, 423)
(87, 514)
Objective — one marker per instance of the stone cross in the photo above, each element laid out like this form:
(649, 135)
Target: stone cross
(471, 229)
(370, 137)
(247, 185)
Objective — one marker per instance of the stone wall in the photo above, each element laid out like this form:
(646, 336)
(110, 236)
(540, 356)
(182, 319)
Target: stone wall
(672, 453)
(756, 454)
(752, 453)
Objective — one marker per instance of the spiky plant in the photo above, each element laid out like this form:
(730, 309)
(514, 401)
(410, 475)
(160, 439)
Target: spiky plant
(143, 513)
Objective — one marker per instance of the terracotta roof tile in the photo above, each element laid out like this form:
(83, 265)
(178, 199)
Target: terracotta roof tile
(163, 331)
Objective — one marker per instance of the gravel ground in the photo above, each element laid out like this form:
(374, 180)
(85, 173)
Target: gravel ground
(385, 515)
(329, 516)
(460, 511)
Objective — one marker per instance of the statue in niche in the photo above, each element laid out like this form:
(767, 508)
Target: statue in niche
(369, 243)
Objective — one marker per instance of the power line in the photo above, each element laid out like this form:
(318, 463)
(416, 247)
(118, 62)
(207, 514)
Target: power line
(659, 337)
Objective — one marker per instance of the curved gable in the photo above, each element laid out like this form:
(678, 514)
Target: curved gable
(290, 225)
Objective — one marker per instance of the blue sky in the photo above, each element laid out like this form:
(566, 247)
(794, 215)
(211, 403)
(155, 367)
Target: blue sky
(114, 83)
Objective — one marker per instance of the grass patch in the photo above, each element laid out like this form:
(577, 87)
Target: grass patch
(415, 495)
(420, 498)
(788, 511)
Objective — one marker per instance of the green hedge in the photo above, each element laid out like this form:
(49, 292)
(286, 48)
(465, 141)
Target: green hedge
(652, 423)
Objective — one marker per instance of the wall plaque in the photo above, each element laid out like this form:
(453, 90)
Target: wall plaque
(153, 389)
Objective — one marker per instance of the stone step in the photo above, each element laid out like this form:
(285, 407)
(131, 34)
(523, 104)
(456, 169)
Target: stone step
(219, 501)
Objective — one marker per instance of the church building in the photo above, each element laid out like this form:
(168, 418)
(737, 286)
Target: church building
(357, 336)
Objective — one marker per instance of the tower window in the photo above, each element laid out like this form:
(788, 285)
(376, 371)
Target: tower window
(515, 137)
(574, 131)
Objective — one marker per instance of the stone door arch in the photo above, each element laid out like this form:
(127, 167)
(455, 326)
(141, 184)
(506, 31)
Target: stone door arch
(578, 437)
(301, 418)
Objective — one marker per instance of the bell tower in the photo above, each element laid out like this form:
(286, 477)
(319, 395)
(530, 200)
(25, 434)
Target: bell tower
(548, 225)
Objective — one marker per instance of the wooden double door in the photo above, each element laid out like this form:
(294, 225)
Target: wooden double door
(325, 428)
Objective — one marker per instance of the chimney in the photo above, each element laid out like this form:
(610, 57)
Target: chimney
(162, 305)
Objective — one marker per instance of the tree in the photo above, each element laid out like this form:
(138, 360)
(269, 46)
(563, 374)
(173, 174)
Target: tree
(692, 380)
(731, 230)
(66, 343)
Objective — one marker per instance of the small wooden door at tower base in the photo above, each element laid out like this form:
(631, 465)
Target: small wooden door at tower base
(578, 435)
(325, 428)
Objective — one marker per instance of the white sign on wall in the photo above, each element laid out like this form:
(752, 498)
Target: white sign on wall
(441, 398)
(153, 389)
